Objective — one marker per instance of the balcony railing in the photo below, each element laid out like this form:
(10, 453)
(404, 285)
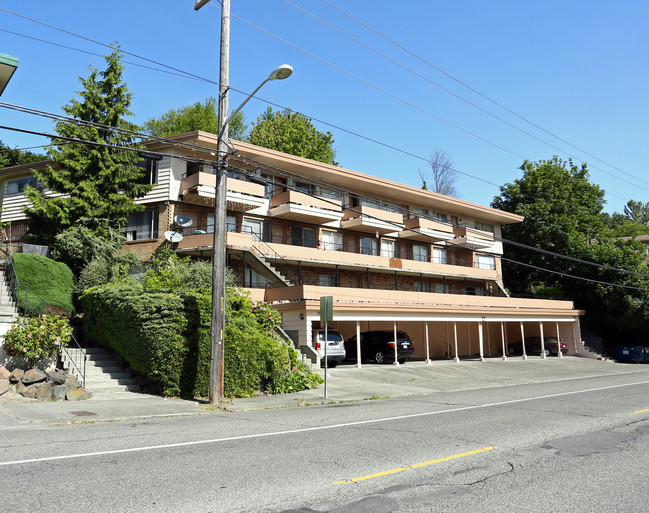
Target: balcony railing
(371, 283)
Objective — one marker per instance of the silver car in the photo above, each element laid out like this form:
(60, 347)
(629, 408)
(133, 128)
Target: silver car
(335, 346)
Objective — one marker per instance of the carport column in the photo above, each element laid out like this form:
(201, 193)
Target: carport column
(396, 361)
(358, 345)
(427, 348)
(502, 336)
(559, 342)
(481, 339)
(523, 342)
(542, 341)
(457, 358)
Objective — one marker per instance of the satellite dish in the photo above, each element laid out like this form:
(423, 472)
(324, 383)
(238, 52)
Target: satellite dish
(173, 236)
(183, 221)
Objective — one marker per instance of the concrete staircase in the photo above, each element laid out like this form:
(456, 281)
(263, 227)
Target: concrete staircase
(8, 313)
(104, 372)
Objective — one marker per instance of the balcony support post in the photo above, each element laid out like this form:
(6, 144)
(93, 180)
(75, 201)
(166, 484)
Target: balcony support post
(502, 337)
(244, 269)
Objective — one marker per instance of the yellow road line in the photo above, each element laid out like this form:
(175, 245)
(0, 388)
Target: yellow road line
(416, 465)
(640, 411)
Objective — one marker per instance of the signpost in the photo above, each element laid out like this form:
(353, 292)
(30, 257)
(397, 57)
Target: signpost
(326, 315)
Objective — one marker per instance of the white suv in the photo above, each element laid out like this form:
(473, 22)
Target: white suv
(335, 346)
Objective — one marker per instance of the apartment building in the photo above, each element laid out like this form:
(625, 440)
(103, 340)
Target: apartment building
(392, 256)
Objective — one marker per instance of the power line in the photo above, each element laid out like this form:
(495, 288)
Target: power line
(288, 173)
(459, 97)
(284, 172)
(190, 75)
(428, 63)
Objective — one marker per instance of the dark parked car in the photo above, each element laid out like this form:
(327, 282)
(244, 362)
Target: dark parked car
(379, 346)
(533, 346)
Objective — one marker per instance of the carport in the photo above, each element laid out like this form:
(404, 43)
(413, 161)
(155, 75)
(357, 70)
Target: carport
(453, 331)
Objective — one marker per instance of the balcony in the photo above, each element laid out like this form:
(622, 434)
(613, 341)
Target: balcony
(473, 238)
(426, 230)
(297, 206)
(372, 220)
(198, 188)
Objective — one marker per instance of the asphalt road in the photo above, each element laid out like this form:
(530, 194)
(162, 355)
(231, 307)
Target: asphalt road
(571, 445)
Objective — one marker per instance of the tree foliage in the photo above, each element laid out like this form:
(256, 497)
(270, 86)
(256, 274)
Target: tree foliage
(293, 133)
(199, 116)
(14, 156)
(441, 175)
(637, 212)
(563, 214)
(98, 181)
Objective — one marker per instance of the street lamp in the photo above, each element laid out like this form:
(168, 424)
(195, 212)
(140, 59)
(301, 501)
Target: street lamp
(220, 201)
(8, 65)
(219, 244)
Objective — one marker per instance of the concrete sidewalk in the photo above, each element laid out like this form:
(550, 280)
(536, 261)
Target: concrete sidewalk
(344, 383)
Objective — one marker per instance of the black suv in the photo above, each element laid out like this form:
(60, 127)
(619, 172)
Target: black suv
(379, 346)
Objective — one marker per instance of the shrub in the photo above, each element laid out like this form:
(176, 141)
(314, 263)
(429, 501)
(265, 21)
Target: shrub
(49, 282)
(162, 327)
(145, 328)
(80, 245)
(35, 338)
(97, 272)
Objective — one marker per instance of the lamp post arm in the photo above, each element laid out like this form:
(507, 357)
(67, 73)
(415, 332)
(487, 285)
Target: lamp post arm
(236, 111)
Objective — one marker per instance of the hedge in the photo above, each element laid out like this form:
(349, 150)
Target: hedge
(166, 337)
(147, 329)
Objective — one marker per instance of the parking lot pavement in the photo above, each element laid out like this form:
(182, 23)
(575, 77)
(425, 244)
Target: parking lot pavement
(344, 383)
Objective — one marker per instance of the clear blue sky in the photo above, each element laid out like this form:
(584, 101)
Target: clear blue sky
(578, 70)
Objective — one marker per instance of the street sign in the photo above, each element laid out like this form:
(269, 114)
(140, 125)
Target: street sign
(326, 308)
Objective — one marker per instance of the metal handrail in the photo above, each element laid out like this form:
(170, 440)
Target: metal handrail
(15, 288)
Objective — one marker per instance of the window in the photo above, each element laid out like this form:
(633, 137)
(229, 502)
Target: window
(230, 223)
(253, 279)
(325, 192)
(328, 280)
(142, 225)
(419, 212)
(485, 227)
(439, 256)
(440, 288)
(388, 248)
(369, 246)
(304, 187)
(302, 236)
(150, 173)
(485, 262)
(332, 240)
(475, 291)
(269, 185)
(254, 227)
(370, 202)
(437, 216)
(16, 186)
(420, 253)
(421, 286)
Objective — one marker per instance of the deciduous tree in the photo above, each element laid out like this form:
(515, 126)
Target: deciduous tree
(441, 175)
(293, 133)
(199, 116)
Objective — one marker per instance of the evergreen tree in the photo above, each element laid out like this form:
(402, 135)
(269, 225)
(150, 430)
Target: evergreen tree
(97, 182)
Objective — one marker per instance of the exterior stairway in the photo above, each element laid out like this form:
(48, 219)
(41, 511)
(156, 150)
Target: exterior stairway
(104, 372)
(8, 313)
